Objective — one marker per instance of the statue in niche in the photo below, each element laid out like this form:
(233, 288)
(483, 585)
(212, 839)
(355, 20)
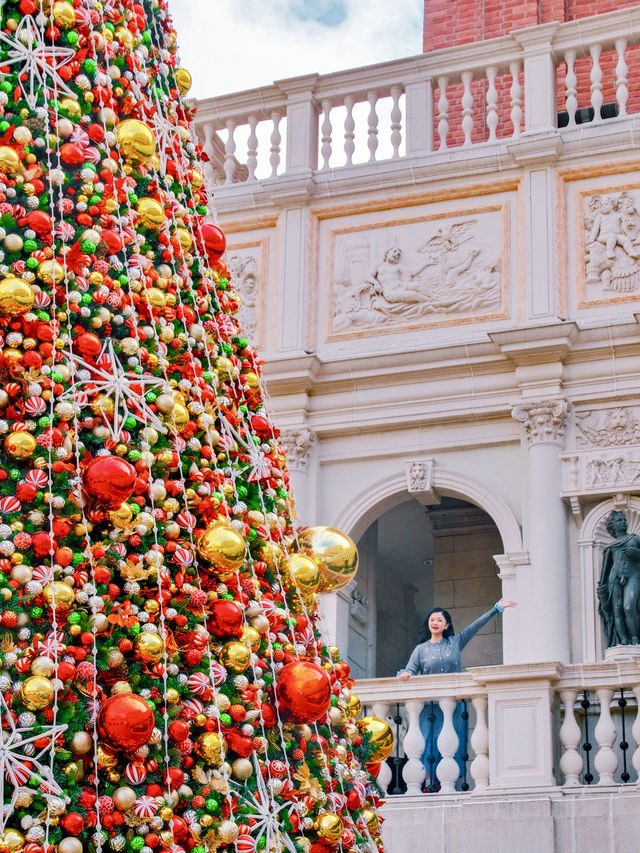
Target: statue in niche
(611, 234)
(619, 584)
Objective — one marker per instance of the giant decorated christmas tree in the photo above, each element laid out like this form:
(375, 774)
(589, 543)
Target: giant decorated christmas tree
(163, 687)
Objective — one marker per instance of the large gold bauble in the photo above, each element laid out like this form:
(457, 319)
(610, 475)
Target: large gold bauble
(124, 798)
(37, 693)
(107, 760)
(242, 769)
(251, 638)
(121, 517)
(305, 573)
(10, 162)
(51, 272)
(274, 556)
(64, 15)
(329, 826)
(58, 594)
(149, 647)
(70, 844)
(336, 554)
(197, 180)
(11, 840)
(354, 706)
(20, 444)
(16, 296)
(222, 546)
(136, 141)
(156, 297)
(81, 743)
(43, 666)
(179, 416)
(236, 656)
(150, 213)
(184, 238)
(211, 747)
(371, 820)
(183, 80)
(381, 737)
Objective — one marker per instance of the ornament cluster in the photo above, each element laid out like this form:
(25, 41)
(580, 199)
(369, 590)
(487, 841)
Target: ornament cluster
(163, 687)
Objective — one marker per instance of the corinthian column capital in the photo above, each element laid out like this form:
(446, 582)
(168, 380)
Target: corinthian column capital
(544, 421)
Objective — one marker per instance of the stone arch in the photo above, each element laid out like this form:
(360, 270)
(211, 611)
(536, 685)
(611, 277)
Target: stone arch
(390, 491)
(592, 541)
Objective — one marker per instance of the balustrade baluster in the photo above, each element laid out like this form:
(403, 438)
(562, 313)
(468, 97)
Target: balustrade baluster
(413, 772)
(571, 88)
(635, 731)
(492, 102)
(275, 141)
(349, 128)
(596, 82)
(622, 91)
(467, 107)
(624, 744)
(326, 129)
(480, 744)
(447, 769)
(396, 121)
(381, 710)
(515, 92)
(372, 130)
(208, 147)
(571, 761)
(443, 112)
(252, 148)
(229, 152)
(606, 760)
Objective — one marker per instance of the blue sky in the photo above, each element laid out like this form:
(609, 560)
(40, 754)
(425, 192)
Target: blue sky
(231, 45)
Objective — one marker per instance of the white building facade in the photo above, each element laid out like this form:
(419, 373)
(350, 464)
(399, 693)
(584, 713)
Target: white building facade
(450, 330)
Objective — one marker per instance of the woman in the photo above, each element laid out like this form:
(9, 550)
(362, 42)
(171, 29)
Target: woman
(441, 651)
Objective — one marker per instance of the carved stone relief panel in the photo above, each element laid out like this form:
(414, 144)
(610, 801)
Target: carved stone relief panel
(248, 264)
(412, 273)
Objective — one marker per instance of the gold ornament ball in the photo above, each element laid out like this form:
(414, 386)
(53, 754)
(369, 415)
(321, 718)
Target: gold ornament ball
(335, 552)
(11, 839)
(222, 546)
(156, 297)
(183, 80)
(371, 820)
(179, 416)
(150, 213)
(121, 517)
(58, 594)
(329, 826)
(354, 705)
(211, 747)
(166, 813)
(251, 638)
(206, 820)
(10, 162)
(81, 743)
(136, 141)
(51, 272)
(20, 444)
(241, 769)
(227, 831)
(37, 693)
(43, 666)
(381, 737)
(235, 656)
(305, 572)
(149, 647)
(106, 760)
(185, 239)
(70, 845)
(274, 556)
(172, 696)
(64, 15)
(16, 296)
(124, 798)
(197, 179)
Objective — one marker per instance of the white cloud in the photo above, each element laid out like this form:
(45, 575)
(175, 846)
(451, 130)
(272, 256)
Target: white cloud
(231, 45)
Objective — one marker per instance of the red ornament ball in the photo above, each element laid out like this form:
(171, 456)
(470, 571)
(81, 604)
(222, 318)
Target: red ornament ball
(303, 691)
(109, 480)
(125, 721)
(88, 344)
(214, 241)
(225, 619)
(72, 823)
(71, 154)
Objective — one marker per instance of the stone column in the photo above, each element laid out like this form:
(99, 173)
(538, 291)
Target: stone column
(543, 598)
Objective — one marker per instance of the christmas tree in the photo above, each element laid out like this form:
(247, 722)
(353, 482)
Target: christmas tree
(163, 687)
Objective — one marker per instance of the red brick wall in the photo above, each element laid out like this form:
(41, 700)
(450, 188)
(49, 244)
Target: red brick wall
(453, 22)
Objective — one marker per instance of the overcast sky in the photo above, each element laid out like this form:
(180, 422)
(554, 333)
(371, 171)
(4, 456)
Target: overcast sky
(231, 45)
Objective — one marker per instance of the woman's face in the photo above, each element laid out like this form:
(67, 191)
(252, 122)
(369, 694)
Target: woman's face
(437, 623)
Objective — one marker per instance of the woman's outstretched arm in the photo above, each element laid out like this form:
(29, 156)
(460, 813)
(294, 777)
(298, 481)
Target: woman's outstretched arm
(470, 631)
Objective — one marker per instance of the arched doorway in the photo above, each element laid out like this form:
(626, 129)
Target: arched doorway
(413, 558)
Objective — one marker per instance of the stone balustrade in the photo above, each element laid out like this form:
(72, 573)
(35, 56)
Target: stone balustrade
(567, 78)
(528, 727)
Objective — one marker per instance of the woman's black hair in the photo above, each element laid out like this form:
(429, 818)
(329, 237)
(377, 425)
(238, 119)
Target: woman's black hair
(448, 631)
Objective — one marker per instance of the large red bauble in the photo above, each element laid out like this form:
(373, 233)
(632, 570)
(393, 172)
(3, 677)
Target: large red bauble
(109, 480)
(225, 619)
(125, 721)
(72, 823)
(88, 344)
(71, 153)
(40, 221)
(303, 691)
(214, 241)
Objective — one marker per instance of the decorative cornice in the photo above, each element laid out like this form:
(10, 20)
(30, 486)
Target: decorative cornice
(297, 443)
